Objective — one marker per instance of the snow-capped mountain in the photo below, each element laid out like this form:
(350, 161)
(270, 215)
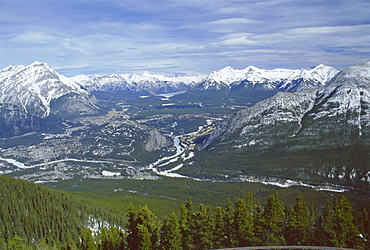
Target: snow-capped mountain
(33, 88)
(321, 135)
(229, 78)
(141, 83)
(281, 79)
(346, 96)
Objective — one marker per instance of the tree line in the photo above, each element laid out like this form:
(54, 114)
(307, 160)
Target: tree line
(243, 223)
(36, 217)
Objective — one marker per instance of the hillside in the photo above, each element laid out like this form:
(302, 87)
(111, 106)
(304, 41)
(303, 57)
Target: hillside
(36, 213)
(315, 136)
(43, 218)
(29, 94)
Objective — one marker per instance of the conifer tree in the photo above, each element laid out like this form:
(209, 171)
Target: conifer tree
(243, 224)
(2, 235)
(170, 234)
(298, 224)
(149, 220)
(347, 232)
(365, 233)
(186, 222)
(87, 240)
(17, 243)
(111, 238)
(258, 224)
(273, 221)
(132, 228)
(144, 242)
(323, 226)
(227, 225)
(220, 232)
(335, 227)
(202, 228)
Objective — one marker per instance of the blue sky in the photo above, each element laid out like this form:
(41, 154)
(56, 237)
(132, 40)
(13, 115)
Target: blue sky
(182, 36)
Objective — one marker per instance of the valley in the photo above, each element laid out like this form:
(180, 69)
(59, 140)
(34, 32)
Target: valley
(248, 127)
(88, 150)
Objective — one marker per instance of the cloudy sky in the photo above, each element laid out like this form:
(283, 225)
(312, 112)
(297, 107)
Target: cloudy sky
(183, 36)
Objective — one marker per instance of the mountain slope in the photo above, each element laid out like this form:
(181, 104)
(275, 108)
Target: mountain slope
(34, 212)
(321, 135)
(145, 83)
(280, 79)
(33, 92)
(34, 87)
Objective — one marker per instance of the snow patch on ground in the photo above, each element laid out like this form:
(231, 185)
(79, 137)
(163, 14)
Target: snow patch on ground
(110, 174)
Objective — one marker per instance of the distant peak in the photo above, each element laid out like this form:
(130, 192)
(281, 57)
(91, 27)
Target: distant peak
(37, 63)
(225, 69)
(251, 68)
(320, 66)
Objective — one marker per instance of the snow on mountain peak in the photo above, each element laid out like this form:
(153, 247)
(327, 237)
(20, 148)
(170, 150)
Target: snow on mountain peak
(145, 81)
(226, 75)
(33, 87)
(360, 71)
(37, 63)
(285, 79)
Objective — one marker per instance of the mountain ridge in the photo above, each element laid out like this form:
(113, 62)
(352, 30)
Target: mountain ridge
(331, 123)
(34, 87)
(282, 79)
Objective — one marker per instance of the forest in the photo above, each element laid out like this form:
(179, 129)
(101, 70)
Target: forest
(37, 217)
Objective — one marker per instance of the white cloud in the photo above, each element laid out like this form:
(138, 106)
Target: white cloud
(33, 38)
(186, 36)
(233, 21)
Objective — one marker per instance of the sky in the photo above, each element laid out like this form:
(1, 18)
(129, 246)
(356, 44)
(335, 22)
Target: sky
(183, 36)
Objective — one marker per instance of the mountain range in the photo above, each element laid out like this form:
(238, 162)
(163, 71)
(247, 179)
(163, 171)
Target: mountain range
(28, 94)
(313, 127)
(281, 79)
(323, 132)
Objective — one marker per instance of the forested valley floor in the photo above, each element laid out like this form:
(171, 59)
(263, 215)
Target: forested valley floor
(37, 217)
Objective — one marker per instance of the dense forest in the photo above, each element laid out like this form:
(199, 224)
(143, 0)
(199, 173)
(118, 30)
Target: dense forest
(37, 217)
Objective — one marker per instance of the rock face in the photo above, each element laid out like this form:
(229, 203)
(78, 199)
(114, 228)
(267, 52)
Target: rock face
(287, 80)
(145, 83)
(34, 87)
(156, 141)
(35, 92)
(14, 121)
(227, 78)
(327, 130)
(341, 107)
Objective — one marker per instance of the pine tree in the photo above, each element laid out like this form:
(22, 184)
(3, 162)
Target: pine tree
(170, 234)
(228, 219)
(323, 226)
(17, 243)
(220, 232)
(335, 227)
(2, 235)
(202, 228)
(144, 242)
(243, 223)
(186, 222)
(87, 240)
(298, 224)
(347, 232)
(111, 238)
(365, 233)
(149, 220)
(258, 224)
(132, 228)
(273, 220)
